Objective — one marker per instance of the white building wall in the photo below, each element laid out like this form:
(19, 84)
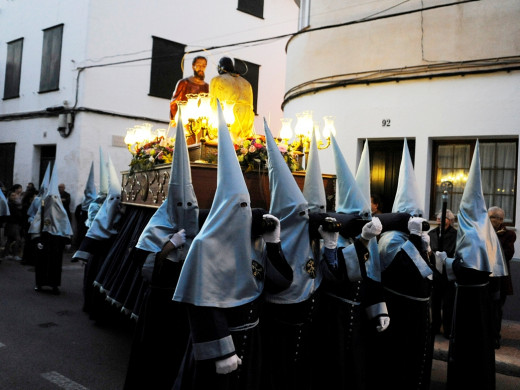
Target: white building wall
(102, 32)
(482, 105)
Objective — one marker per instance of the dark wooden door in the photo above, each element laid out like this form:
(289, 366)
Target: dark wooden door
(385, 160)
(7, 164)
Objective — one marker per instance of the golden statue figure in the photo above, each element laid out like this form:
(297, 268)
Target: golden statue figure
(229, 85)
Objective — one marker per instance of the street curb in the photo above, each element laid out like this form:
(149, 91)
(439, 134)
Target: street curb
(503, 364)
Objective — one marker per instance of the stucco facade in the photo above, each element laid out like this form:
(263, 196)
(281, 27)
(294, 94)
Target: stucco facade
(438, 70)
(105, 72)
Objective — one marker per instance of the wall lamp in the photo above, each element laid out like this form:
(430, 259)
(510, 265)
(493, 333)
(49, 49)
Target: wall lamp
(65, 119)
(65, 124)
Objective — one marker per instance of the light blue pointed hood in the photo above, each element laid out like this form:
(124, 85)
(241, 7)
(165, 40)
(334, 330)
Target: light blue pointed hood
(4, 207)
(218, 268)
(407, 194)
(104, 224)
(477, 242)
(97, 203)
(180, 209)
(103, 175)
(349, 198)
(44, 186)
(313, 188)
(363, 172)
(55, 218)
(90, 192)
(373, 264)
(288, 204)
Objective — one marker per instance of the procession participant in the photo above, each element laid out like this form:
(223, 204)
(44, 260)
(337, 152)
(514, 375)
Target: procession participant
(96, 204)
(4, 208)
(351, 296)
(406, 347)
(162, 330)
(100, 237)
(4, 213)
(223, 352)
(287, 326)
(29, 249)
(81, 213)
(35, 204)
(478, 257)
(51, 230)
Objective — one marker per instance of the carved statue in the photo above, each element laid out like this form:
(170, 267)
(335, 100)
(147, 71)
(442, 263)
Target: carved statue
(229, 85)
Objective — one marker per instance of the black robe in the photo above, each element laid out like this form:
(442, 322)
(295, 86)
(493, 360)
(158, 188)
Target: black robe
(443, 294)
(161, 333)
(401, 356)
(471, 354)
(49, 259)
(342, 326)
(211, 325)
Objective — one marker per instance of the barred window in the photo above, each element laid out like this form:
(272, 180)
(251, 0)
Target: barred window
(13, 69)
(166, 67)
(252, 7)
(51, 59)
(498, 161)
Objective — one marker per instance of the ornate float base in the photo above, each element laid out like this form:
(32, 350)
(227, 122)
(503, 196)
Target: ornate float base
(150, 188)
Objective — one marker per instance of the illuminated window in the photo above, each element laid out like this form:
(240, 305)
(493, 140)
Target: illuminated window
(498, 161)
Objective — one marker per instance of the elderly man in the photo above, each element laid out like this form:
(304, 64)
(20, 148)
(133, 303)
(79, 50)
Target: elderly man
(501, 287)
(65, 198)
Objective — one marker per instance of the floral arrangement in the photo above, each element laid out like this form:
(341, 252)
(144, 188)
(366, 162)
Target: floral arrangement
(146, 155)
(252, 154)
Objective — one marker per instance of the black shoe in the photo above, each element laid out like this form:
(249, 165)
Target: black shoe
(38, 288)
(56, 291)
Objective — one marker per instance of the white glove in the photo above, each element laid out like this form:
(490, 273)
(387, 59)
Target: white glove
(440, 260)
(384, 321)
(273, 235)
(425, 238)
(230, 364)
(179, 238)
(415, 225)
(330, 239)
(371, 229)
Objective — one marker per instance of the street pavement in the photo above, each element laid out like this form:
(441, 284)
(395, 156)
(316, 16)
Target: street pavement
(47, 342)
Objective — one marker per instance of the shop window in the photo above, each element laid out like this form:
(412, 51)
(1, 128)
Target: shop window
(166, 67)
(13, 69)
(51, 59)
(252, 7)
(250, 72)
(498, 161)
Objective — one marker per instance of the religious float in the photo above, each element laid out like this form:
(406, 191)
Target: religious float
(145, 186)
